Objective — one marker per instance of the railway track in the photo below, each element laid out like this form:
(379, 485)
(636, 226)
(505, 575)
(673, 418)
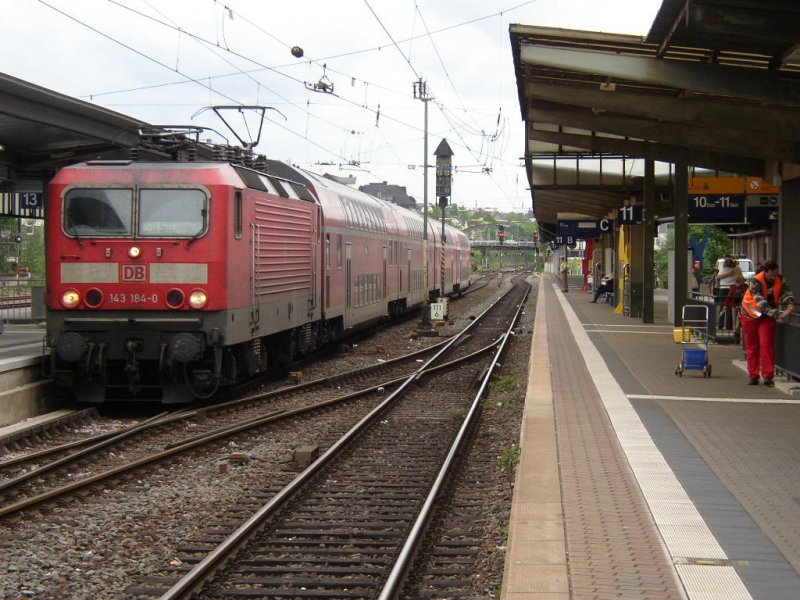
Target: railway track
(123, 525)
(105, 456)
(26, 440)
(351, 523)
(30, 480)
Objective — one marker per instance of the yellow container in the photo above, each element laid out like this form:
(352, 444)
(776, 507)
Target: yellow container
(682, 334)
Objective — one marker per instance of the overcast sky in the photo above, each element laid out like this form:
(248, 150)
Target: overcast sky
(164, 61)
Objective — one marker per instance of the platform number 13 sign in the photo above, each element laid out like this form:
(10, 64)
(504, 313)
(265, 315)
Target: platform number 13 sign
(32, 200)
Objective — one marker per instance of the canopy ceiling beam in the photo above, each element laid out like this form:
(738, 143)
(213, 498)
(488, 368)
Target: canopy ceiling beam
(699, 77)
(656, 151)
(696, 111)
(683, 15)
(743, 24)
(724, 141)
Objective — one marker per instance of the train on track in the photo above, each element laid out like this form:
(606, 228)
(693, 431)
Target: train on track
(170, 279)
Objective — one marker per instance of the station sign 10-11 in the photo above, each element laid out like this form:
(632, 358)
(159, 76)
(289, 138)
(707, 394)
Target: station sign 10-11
(731, 200)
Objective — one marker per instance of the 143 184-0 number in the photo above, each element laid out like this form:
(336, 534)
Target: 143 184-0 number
(128, 297)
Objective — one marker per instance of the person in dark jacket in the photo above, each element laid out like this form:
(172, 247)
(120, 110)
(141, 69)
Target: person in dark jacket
(606, 285)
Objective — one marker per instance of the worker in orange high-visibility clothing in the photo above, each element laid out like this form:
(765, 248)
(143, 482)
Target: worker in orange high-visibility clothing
(767, 299)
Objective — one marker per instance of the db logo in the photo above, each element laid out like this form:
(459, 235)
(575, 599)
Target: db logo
(134, 272)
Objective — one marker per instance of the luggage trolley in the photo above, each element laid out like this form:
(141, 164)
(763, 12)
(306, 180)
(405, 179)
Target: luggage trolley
(693, 338)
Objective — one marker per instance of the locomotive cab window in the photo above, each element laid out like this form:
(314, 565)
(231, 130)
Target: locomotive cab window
(172, 212)
(98, 212)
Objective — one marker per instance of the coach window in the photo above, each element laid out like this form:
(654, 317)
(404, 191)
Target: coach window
(339, 251)
(98, 212)
(328, 251)
(172, 213)
(238, 215)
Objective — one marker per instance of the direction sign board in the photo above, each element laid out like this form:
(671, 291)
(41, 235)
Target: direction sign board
(731, 185)
(762, 209)
(584, 228)
(717, 208)
(733, 200)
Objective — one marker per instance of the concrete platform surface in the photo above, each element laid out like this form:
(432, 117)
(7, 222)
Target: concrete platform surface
(636, 483)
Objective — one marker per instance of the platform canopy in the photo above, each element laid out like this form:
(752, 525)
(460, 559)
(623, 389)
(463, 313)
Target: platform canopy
(716, 83)
(41, 129)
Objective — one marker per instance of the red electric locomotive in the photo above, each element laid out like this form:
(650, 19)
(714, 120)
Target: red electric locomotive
(167, 280)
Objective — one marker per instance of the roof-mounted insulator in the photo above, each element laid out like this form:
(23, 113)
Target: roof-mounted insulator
(219, 153)
(191, 154)
(233, 154)
(135, 153)
(248, 159)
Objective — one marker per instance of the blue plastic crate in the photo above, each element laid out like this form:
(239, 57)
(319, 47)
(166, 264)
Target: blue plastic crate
(695, 359)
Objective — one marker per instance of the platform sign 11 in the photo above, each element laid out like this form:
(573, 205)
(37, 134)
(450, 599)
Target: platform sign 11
(630, 215)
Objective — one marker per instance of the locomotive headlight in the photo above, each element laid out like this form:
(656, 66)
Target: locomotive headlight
(198, 299)
(94, 298)
(175, 298)
(70, 299)
(134, 251)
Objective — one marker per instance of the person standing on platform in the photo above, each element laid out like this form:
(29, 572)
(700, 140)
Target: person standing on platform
(697, 275)
(766, 300)
(564, 274)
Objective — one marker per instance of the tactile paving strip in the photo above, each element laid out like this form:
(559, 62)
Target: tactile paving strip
(613, 547)
(690, 543)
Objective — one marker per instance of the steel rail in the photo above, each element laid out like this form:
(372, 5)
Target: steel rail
(394, 582)
(192, 580)
(104, 440)
(208, 437)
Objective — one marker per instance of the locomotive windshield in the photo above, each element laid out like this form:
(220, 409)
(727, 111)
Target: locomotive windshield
(170, 213)
(112, 212)
(98, 212)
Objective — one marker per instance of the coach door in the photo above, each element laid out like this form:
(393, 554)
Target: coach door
(348, 276)
(255, 246)
(327, 290)
(316, 227)
(410, 272)
(385, 279)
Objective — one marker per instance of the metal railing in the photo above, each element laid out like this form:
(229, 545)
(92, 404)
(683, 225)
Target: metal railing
(723, 327)
(21, 299)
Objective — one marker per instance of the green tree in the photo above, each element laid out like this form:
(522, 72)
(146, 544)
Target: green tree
(9, 229)
(718, 244)
(29, 251)
(32, 251)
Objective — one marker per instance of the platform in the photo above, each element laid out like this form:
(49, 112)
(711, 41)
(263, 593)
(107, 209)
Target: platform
(636, 483)
(21, 341)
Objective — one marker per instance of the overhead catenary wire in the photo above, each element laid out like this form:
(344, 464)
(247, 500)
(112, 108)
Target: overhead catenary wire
(228, 10)
(254, 61)
(429, 94)
(161, 64)
(456, 124)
